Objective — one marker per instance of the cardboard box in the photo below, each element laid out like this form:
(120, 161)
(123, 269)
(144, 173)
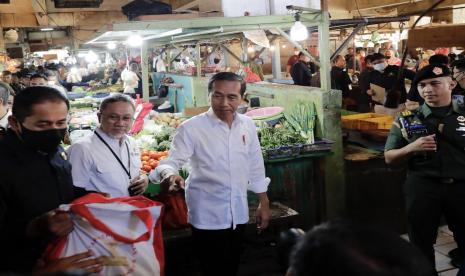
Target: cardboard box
(193, 111)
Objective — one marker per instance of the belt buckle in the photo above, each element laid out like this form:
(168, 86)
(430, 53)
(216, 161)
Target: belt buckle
(447, 180)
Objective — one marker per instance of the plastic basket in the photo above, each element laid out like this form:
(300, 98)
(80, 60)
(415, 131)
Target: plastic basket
(319, 145)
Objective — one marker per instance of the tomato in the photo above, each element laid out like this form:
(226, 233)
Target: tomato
(145, 158)
(155, 155)
(147, 168)
(163, 157)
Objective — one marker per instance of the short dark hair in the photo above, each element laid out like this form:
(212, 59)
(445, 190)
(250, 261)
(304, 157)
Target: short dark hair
(30, 96)
(369, 58)
(301, 54)
(336, 58)
(438, 59)
(38, 76)
(345, 248)
(227, 76)
(6, 73)
(459, 64)
(377, 56)
(114, 98)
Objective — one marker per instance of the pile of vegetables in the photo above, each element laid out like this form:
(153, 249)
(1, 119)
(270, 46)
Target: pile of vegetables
(168, 119)
(271, 138)
(301, 119)
(151, 158)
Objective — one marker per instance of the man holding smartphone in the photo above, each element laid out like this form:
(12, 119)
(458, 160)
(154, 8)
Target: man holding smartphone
(431, 139)
(109, 160)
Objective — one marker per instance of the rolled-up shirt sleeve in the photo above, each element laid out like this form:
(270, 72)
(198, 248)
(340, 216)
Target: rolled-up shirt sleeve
(258, 182)
(181, 150)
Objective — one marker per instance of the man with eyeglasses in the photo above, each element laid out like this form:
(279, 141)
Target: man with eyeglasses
(431, 140)
(109, 160)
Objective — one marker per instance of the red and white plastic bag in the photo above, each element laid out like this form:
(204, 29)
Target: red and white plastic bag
(125, 231)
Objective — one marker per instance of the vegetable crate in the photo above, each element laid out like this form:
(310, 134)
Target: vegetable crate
(367, 121)
(319, 145)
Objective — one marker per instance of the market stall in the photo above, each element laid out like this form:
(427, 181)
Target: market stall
(190, 90)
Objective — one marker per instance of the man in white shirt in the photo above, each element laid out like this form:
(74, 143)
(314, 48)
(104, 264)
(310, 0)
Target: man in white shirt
(5, 92)
(224, 153)
(109, 160)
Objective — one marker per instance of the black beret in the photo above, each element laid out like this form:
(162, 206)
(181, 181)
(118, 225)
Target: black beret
(430, 72)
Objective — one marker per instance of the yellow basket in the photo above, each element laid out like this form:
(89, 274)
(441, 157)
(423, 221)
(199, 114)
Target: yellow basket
(353, 121)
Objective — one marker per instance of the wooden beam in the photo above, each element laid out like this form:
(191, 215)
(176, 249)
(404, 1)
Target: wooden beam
(40, 10)
(16, 20)
(375, 4)
(184, 4)
(419, 7)
(440, 36)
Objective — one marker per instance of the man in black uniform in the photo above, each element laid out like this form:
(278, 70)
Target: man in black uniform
(385, 76)
(35, 180)
(340, 79)
(300, 73)
(432, 140)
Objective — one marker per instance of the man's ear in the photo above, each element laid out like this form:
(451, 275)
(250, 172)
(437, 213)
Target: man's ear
(453, 84)
(99, 116)
(14, 124)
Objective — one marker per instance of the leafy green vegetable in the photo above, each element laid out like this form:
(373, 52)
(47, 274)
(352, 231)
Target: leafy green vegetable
(166, 134)
(165, 145)
(301, 119)
(271, 138)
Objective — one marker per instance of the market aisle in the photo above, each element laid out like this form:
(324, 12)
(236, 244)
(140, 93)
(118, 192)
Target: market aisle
(444, 243)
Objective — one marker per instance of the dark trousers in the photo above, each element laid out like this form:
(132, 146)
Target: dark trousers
(427, 199)
(219, 251)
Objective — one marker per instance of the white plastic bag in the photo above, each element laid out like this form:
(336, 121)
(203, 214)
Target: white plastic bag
(125, 231)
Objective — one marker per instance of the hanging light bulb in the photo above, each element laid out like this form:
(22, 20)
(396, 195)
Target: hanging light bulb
(111, 45)
(284, 46)
(134, 40)
(272, 48)
(299, 31)
(250, 49)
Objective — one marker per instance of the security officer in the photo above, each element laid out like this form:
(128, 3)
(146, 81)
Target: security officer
(35, 178)
(431, 139)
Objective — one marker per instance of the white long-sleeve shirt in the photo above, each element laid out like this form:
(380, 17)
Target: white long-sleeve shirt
(225, 163)
(94, 167)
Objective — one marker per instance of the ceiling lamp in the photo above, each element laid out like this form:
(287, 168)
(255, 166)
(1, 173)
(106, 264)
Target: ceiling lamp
(134, 40)
(111, 45)
(299, 31)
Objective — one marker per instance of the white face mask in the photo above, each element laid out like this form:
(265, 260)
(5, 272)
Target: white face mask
(379, 67)
(296, 53)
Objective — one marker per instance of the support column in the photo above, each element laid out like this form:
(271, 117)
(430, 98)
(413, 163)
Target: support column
(198, 62)
(323, 40)
(2, 41)
(145, 71)
(276, 60)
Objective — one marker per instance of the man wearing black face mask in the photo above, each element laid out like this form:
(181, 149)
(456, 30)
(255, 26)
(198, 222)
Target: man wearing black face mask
(36, 179)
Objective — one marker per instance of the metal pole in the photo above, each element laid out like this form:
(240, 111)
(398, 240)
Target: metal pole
(145, 71)
(323, 40)
(344, 44)
(297, 45)
(198, 61)
(276, 60)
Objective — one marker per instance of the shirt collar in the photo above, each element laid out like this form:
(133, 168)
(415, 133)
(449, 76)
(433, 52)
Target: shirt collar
(109, 139)
(426, 110)
(214, 120)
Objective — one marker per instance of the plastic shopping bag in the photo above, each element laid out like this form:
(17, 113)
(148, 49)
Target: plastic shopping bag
(125, 232)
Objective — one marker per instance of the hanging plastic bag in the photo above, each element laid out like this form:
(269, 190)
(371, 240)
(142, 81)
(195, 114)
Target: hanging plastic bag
(250, 76)
(142, 110)
(124, 232)
(175, 210)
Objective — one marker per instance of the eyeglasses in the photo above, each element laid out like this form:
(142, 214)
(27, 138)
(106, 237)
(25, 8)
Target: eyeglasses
(116, 118)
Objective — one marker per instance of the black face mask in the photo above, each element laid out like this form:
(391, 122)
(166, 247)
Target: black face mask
(44, 140)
